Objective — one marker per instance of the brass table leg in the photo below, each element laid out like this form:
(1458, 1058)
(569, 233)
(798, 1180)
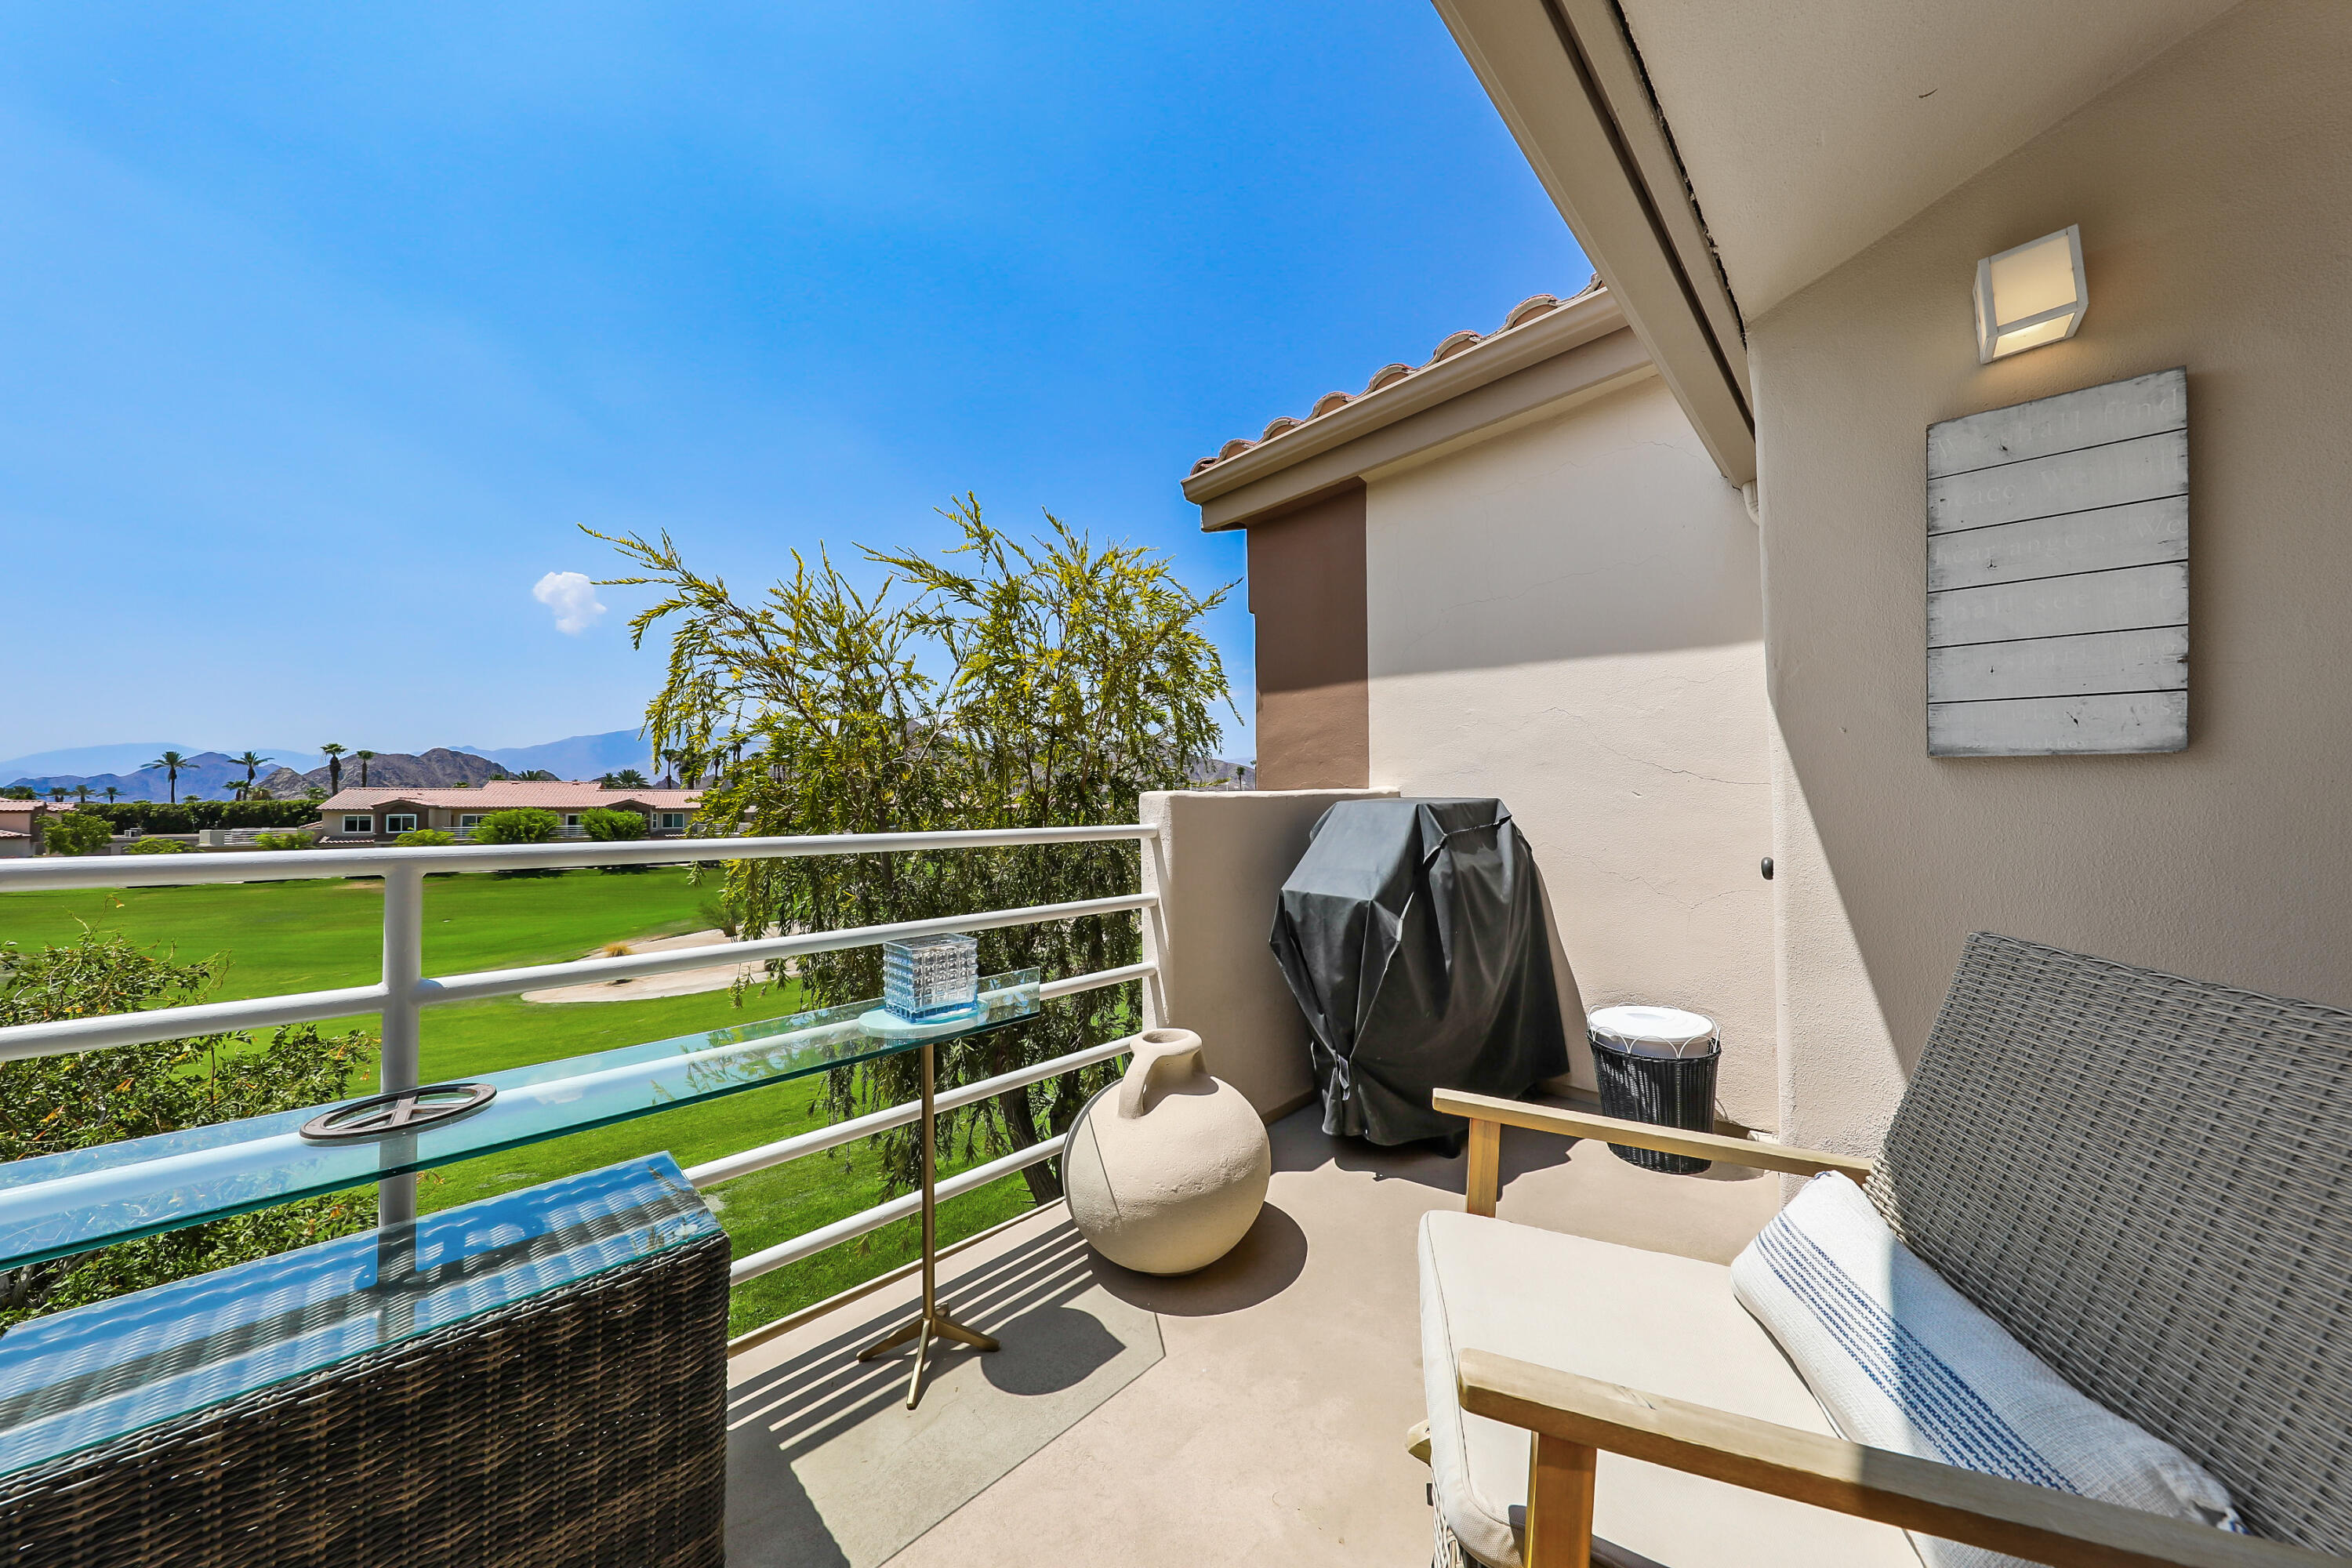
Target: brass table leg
(932, 1318)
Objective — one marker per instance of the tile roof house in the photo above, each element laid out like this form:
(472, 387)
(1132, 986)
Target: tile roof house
(21, 822)
(379, 815)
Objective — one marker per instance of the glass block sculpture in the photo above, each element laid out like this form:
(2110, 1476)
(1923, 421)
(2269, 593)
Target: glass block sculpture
(931, 979)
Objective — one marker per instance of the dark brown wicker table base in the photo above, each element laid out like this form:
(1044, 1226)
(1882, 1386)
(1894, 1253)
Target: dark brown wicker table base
(584, 1428)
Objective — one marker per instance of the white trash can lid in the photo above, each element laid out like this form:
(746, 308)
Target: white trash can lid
(1652, 1031)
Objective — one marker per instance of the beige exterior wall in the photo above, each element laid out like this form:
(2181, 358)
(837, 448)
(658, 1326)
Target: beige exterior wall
(1568, 615)
(2212, 191)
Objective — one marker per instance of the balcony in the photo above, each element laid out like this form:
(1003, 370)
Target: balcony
(1255, 1411)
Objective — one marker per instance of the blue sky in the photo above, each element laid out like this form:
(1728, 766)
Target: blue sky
(328, 325)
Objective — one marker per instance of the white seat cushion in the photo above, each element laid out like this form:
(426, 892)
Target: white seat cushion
(1646, 1320)
(1900, 1360)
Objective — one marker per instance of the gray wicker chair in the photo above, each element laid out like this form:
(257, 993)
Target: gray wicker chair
(2144, 1178)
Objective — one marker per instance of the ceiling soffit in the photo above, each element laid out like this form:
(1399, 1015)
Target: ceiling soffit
(1810, 128)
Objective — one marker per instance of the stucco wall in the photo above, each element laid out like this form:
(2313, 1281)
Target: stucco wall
(2214, 192)
(1567, 617)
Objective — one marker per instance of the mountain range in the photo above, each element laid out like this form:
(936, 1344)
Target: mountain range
(439, 768)
(292, 770)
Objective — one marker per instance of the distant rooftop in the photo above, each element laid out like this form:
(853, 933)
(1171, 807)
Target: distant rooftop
(510, 794)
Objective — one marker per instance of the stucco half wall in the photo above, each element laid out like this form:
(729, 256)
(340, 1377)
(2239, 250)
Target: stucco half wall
(2216, 217)
(1568, 615)
(1217, 865)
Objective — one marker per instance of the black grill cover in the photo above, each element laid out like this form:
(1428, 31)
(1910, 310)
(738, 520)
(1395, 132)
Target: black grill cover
(1412, 935)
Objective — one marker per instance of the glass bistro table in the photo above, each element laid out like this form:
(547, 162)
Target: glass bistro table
(96, 1374)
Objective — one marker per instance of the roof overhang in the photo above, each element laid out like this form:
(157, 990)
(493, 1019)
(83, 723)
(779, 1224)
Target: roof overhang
(1811, 128)
(1567, 82)
(1528, 372)
(1724, 153)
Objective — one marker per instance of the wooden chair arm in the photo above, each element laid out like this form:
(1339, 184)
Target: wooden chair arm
(1569, 1413)
(1486, 1108)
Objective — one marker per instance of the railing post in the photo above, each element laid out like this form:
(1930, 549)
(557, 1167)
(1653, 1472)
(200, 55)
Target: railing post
(403, 966)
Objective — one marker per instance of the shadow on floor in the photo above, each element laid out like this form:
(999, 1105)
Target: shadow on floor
(1524, 1152)
(1424, 1164)
(827, 1467)
(1260, 1266)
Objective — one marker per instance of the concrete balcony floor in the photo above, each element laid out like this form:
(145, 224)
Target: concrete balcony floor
(1253, 1413)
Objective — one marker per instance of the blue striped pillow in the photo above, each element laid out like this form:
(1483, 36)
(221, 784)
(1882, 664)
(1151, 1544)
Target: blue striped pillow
(1900, 1360)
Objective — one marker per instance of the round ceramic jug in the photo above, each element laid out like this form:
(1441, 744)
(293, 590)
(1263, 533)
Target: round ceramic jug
(1166, 1169)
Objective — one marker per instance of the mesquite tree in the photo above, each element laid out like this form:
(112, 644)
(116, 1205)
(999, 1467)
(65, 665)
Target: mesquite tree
(1000, 684)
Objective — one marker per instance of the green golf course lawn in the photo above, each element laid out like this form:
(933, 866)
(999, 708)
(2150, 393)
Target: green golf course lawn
(303, 936)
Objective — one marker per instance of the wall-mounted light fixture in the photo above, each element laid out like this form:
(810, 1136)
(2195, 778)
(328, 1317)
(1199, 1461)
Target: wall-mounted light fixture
(2030, 295)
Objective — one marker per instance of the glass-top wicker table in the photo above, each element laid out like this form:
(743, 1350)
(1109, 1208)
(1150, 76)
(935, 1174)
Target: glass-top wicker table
(59, 1204)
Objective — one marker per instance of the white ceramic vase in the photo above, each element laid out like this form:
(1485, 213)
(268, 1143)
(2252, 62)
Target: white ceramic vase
(1166, 1169)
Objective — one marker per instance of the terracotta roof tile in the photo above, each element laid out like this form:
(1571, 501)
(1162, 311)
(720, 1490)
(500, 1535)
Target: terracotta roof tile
(1454, 345)
(1389, 375)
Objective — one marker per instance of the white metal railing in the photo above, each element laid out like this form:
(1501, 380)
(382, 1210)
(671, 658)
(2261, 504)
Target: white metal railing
(404, 989)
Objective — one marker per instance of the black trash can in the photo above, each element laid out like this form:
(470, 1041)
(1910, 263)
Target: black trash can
(1656, 1065)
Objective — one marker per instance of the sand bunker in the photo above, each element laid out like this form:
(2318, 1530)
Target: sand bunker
(682, 982)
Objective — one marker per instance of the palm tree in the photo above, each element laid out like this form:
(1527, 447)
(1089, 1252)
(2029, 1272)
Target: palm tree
(81, 794)
(111, 793)
(334, 755)
(58, 791)
(250, 761)
(365, 758)
(170, 762)
(627, 778)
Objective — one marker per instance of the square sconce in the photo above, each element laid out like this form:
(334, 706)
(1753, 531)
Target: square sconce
(2030, 295)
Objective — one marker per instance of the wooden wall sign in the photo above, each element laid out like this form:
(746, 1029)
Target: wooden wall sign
(2058, 574)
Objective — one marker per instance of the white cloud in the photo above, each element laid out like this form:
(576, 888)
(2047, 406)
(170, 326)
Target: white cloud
(573, 597)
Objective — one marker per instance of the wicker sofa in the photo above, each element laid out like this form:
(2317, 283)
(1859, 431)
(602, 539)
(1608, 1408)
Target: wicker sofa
(2142, 1178)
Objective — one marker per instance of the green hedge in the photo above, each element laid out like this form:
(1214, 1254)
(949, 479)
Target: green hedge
(188, 816)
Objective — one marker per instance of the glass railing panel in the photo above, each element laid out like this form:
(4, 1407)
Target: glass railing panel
(67, 1202)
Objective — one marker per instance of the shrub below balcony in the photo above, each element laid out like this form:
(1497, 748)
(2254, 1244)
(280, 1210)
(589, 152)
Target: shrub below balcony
(520, 824)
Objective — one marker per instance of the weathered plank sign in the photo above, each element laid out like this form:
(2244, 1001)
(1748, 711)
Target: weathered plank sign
(2058, 574)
